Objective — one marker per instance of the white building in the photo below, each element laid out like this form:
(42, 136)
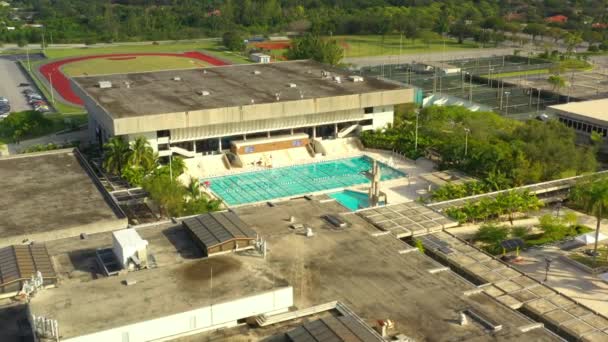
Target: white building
(259, 58)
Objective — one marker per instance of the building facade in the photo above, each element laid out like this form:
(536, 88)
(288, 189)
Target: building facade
(202, 111)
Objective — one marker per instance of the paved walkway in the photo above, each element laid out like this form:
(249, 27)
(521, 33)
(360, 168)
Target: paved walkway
(564, 277)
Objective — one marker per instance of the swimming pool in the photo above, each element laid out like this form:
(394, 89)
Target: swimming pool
(352, 200)
(290, 181)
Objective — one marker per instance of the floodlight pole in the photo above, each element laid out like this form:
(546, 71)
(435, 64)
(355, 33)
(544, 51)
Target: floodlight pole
(538, 101)
(507, 104)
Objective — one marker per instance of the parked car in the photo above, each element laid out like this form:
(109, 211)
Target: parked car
(3, 99)
(542, 117)
(33, 95)
(43, 109)
(5, 109)
(24, 84)
(27, 91)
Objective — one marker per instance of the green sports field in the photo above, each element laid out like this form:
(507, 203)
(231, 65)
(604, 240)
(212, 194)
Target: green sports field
(374, 45)
(103, 66)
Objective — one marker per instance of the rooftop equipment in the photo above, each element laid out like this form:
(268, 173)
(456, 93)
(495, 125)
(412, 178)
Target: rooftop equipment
(355, 78)
(204, 93)
(105, 84)
(292, 85)
(128, 246)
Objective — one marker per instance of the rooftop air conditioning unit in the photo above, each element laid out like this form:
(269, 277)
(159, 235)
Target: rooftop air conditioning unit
(337, 79)
(177, 78)
(356, 78)
(291, 85)
(204, 93)
(256, 72)
(105, 84)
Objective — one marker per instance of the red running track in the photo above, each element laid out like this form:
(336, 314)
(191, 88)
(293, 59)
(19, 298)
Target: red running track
(52, 71)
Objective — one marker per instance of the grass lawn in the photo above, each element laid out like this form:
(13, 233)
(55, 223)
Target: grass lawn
(212, 48)
(519, 73)
(600, 261)
(100, 66)
(372, 45)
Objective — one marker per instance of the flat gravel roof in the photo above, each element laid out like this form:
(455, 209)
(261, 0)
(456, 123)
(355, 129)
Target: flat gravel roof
(47, 192)
(137, 94)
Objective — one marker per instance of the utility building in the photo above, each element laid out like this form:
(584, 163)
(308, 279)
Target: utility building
(220, 232)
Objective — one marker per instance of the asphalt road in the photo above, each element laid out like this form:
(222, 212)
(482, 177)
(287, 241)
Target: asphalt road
(9, 85)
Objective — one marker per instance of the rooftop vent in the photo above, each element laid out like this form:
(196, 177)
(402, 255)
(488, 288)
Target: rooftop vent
(337, 79)
(292, 85)
(177, 78)
(105, 84)
(325, 74)
(277, 96)
(203, 92)
(127, 84)
(356, 78)
(256, 72)
(204, 71)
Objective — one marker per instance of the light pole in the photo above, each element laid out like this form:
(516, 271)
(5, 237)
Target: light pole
(416, 132)
(547, 267)
(51, 86)
(507, 104)
(466, 141)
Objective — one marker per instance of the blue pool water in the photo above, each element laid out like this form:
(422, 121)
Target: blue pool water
(290, 181)
(353, 200)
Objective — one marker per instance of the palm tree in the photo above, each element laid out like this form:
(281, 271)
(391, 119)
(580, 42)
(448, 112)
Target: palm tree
(557, 82)
(116, 155)
(142, 154)
(193, 188)
(592, 195)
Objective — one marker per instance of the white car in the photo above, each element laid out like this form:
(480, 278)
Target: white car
(3, 100)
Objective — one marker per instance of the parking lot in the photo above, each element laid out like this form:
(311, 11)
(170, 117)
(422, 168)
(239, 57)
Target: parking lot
(12, 76)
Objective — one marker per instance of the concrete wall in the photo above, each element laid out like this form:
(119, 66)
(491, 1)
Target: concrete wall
(278, 110)
(202, 319)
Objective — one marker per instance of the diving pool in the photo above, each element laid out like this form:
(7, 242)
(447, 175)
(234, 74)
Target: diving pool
(352, 200)
(265, 185)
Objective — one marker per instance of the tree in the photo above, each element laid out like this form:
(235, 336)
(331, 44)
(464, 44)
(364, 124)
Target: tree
(314, 47)
(142, 156)
(592, 195)
(535, 30)
(193, 188)
(116, 155)
(233, 41)
(166, 193)
(428, 37)
(572, 40)
(557, 82)
(492, 234)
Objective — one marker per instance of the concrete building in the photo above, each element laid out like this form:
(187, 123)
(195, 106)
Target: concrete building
(259, 58)
(584, 117)
(52, 195)
(202, 111)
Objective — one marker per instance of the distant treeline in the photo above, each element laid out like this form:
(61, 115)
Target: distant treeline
(92, 21)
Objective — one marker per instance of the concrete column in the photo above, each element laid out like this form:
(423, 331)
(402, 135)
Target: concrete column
(335, 130)
(291, 131)
(194, 146)
(268, 134)
(220, 143)
(314, 132)
(244, 136)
